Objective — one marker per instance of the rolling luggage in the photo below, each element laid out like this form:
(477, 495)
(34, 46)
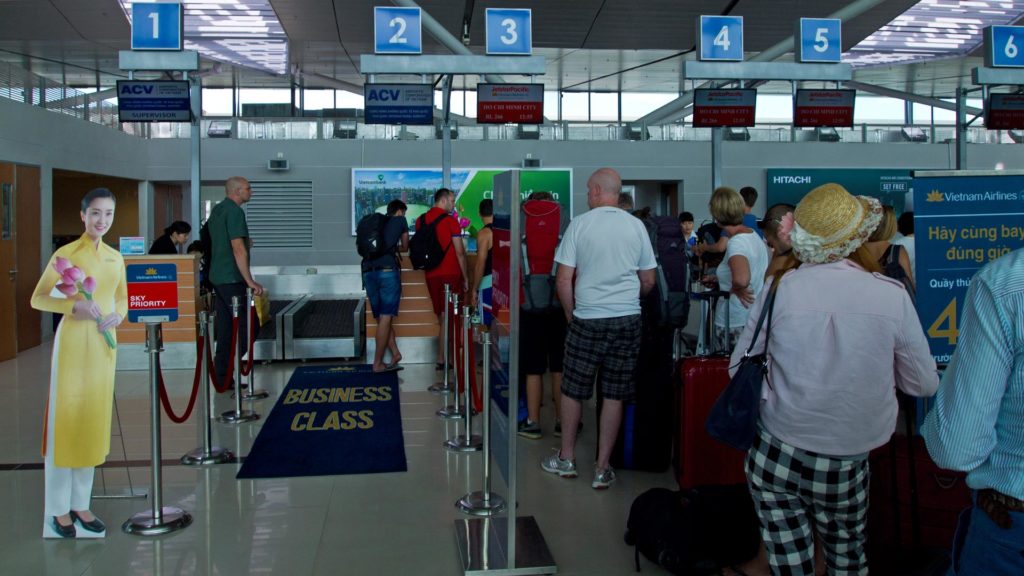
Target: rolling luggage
(699, 458)
(645, 434)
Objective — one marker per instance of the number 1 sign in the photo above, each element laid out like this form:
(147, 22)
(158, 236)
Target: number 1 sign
(156, 26)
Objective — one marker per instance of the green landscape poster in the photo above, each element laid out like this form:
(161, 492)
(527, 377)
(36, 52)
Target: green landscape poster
(373, 188)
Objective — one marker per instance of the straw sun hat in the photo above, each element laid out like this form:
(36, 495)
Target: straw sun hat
(830, 224)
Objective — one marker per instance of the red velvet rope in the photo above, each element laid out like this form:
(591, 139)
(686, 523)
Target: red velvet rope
(460, 349)
(247, 367)
(166, 402)
(228, 383)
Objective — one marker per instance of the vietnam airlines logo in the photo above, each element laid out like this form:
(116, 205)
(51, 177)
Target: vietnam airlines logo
(341, 369)
(151, 272)
(935, 196)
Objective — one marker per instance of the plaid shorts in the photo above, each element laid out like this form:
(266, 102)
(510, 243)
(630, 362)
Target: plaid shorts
(793, 488)
(602, 348)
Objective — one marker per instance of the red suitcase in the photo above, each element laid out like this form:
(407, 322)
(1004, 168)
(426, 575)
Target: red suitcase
(701, 460)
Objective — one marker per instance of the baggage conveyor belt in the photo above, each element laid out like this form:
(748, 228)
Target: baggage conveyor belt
(325, 327)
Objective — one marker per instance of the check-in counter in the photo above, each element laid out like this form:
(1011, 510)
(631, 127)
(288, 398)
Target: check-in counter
(179, 337)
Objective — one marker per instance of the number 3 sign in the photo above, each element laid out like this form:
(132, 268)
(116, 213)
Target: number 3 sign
(509, 31)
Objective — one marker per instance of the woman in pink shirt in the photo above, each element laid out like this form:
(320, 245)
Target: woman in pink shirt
(843, 338)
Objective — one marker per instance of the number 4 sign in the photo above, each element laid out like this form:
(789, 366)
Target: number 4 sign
(720, 38)
(509, 31)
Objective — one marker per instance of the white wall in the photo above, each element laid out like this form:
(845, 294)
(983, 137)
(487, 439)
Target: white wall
(34, 136)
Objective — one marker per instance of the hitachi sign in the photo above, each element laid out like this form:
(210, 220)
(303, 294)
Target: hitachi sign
(791, 180)
(137, 89)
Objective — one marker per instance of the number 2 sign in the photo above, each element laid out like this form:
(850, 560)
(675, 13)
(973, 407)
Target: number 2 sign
(397, 30)
(720, 38)
(509, 31)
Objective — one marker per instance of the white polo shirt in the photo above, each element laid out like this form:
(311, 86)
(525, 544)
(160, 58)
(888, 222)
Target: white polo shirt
(606, 246)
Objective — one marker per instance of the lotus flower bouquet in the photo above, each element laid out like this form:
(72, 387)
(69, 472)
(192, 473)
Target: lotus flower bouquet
(74, 282)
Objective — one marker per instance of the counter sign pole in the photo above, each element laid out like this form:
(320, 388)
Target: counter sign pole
(152, 300)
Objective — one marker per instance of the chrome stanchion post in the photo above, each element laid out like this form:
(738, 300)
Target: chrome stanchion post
(453, 411)
(159, 519)
(467, 442)
(252, 393)
(442, 387)
(208, 453)
(485, 502)
(237, 416)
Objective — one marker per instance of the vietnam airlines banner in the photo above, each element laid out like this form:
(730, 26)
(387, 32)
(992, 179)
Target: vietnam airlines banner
(373, 188)
(962, 221)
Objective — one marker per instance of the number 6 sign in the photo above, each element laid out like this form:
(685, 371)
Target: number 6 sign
(509, 31)
(1003, 46)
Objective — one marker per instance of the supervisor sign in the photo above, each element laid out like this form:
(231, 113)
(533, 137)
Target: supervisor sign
(410, 104)
(153, 101)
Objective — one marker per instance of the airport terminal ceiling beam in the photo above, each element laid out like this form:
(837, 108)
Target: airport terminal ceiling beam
(908, 96)
(681, 107)
(445, 37)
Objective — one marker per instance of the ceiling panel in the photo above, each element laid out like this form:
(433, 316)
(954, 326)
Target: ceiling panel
(605, 45)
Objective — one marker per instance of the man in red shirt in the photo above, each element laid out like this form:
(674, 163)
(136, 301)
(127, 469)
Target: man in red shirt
(452, 270)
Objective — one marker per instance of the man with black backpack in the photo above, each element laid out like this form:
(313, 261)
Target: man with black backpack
(438, 250)
(379, 239)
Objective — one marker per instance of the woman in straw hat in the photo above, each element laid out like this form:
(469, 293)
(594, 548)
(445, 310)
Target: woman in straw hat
(843, 338)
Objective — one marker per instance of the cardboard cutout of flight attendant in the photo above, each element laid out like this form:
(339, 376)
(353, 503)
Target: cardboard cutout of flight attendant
(76, 435)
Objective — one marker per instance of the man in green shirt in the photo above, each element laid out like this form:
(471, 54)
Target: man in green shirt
(229, 267)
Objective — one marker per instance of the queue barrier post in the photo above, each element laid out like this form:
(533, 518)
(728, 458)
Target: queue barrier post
(443, 387)
(452, 411)
(484, 502)
(251, 393)
(159, 519)
(207, 453)
(237, 416)
(466, 442)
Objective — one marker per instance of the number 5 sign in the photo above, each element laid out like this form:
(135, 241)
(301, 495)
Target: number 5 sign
(720, 38)
(509, 31)
(819, 40)
(1003, 46)
(397, 30)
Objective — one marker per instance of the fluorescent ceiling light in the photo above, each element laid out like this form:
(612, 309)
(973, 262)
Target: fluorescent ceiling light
(933, 29)
(245, 33)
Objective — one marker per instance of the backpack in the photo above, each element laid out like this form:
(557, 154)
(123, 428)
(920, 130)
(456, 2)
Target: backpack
(370, 241)
(205, 261)
(891, 268)
(695, 531)
(709, 233)
(425, 249)
(673, 270)
(542, 228)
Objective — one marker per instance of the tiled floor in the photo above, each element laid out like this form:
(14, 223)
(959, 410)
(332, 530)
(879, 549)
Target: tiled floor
(381, 524)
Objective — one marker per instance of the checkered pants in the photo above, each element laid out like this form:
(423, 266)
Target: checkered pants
(793, 489)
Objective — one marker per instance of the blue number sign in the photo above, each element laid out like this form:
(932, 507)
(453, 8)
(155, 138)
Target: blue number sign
(156, 26)
(720, 38)
(509, 31)
(820, 40)
(397, 30)
(1004, 46)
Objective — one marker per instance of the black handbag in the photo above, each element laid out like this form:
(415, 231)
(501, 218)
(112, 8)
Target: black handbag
(733, 418)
